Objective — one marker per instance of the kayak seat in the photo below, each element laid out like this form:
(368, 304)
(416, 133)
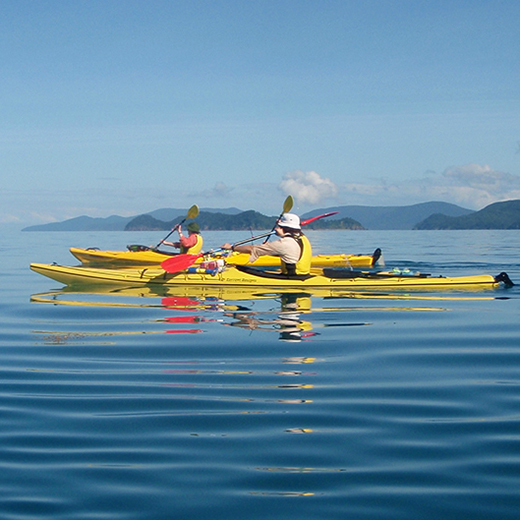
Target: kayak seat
(137, 248)
(347, 273)
(270, 274)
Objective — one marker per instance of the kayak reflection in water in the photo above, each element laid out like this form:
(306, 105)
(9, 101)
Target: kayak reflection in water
(288, 322)
(293, 247)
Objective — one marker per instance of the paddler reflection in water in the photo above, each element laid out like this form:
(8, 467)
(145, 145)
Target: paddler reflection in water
(191, 244)
(293, 247)
(288, 323)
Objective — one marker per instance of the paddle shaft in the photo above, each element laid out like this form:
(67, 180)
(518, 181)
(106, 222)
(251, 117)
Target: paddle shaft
(287, 206)
(175, 228)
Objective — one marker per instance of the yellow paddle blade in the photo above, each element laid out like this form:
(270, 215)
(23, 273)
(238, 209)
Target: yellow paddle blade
(288, 204)
(193, 211)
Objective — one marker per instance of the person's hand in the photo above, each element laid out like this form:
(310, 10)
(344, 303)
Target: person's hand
(227, 245)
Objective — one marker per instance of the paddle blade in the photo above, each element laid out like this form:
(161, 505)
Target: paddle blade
(288, 204)
(309, 220)
(193, 212)
(178, 263)
(179, 302)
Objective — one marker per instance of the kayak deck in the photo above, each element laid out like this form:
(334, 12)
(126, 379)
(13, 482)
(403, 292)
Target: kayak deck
(250, 277)
(153, 257)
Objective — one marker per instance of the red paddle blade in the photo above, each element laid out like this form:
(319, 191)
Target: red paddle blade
(182, 319)
(178, 263)
(309, 220)
(179, 302)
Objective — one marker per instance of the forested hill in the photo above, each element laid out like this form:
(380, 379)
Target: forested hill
(392, 217)
(245, 220)
(206, 220)
(429, 215)
(500, 215)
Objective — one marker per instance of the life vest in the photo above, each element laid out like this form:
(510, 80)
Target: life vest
(195, 249)
(303, 265)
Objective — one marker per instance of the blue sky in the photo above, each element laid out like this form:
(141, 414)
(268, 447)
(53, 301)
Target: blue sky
(122, 107)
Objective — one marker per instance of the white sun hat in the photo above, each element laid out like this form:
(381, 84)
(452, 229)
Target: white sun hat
(290, 220)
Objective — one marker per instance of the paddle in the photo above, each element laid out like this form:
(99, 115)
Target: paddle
(192, 213)
(309, 220)
(178, 263)
(287, 206)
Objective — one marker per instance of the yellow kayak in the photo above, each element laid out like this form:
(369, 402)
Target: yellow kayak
(144, 256)
(244, 276)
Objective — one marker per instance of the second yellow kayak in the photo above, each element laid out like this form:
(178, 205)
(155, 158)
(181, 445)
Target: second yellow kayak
(144, 256)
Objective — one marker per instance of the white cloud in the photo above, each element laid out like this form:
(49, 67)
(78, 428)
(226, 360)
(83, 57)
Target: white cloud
(472, 186)
(6, 218)
(482, 177)
(308, 187)
(478, 185)
(219, 190)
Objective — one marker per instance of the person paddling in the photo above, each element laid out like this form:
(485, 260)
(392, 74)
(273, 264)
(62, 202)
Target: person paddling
(191, 244)
(293, 247)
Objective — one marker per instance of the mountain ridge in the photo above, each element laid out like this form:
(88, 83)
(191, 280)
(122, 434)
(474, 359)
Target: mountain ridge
(233, 222)
(392, 217)
(499, 215)
(415, 216)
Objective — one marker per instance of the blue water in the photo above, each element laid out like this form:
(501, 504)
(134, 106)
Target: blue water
(139, 404)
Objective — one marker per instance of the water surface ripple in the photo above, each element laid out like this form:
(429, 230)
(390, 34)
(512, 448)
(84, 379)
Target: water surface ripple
(130, 405)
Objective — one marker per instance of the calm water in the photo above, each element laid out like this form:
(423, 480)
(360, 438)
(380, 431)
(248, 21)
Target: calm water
(134, 404)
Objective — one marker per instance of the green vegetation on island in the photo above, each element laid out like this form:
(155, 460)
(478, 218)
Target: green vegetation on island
(500, 215)
(241, 221)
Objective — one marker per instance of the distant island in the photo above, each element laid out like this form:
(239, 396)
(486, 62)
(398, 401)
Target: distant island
(500, 215)
(428, 215)
(391, 217)
(240, 221)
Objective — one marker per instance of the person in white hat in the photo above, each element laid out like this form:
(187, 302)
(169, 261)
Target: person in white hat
(293, 247)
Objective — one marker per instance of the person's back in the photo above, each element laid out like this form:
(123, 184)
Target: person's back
(303, 265)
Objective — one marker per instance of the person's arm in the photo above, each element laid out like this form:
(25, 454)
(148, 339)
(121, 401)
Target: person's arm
(275, 248)
(188, 241)
(239, 249)
(255, 251)
(172, 244)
